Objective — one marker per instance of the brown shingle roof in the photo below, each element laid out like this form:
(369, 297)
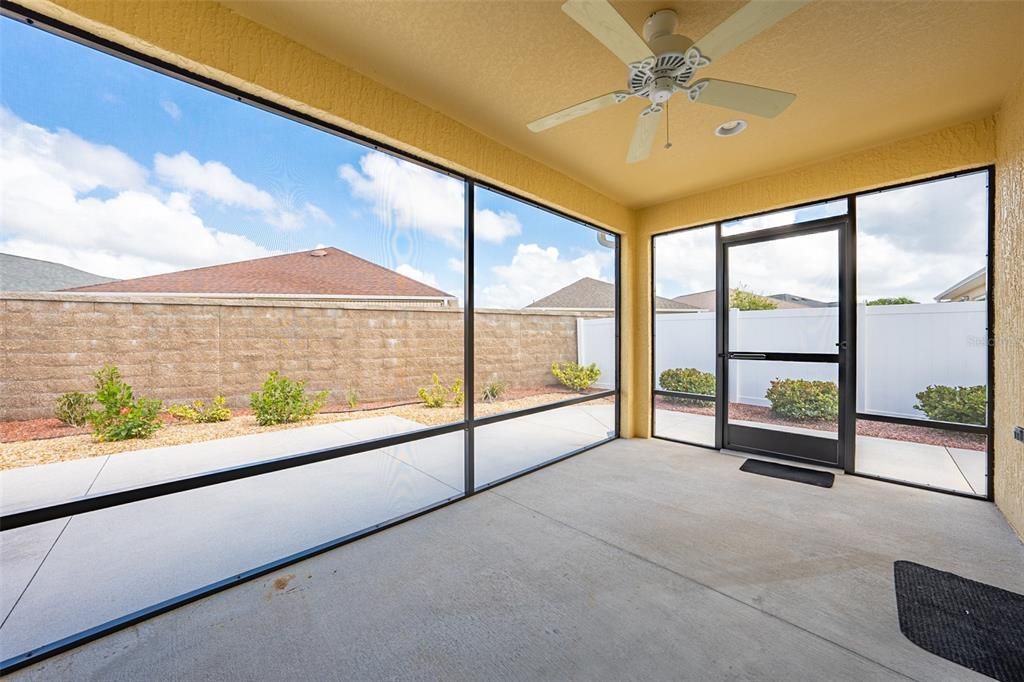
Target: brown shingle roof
(332, 272)
(593, 294)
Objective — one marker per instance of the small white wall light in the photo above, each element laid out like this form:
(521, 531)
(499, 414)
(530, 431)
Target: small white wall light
(730, 128)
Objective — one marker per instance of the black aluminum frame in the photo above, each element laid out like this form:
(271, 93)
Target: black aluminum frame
(22, 518)
(822, 450)
(849, 264)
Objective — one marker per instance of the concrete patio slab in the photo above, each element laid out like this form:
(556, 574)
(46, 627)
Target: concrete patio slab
(973, 464)
(677, 566)
(112, 562)
(919, 463)
(693, 428)
(47, 483)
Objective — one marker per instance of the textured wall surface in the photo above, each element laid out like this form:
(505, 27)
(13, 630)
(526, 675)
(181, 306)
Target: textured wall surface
(1008, 282)
(967, 145)
(963, 146)
(181, 349)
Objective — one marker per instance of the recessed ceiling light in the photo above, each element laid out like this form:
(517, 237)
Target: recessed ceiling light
(730, 128)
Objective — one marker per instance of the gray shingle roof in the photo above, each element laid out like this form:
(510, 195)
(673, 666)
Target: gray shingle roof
(593, 294)
(18, 273)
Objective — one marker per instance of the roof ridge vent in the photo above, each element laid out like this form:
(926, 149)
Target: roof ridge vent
(318, 253)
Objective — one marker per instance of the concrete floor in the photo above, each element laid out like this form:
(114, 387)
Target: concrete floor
(97, 567)
(955, 469)
(636, 560)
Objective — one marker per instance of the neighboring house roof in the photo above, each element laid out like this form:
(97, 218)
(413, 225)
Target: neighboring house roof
(320, 272)
(705, 300)
(18, 273)
(800, 301)
(593, 294)
(970, 288)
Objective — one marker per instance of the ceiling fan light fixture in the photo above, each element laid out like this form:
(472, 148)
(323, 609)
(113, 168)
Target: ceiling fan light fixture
(730, 128)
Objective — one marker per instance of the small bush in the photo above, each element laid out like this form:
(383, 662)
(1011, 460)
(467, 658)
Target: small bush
(199, 412)
(575, 376)
(352, 398)
(688, 380)
(493, 391)
(959, 404)
(121, 415)
(899, 300)
(282, 401)
(73, 408)
(803, 399)
(748, 300)
(438, 395)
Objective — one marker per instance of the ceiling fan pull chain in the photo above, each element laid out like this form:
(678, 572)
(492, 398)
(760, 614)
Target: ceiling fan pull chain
(668, 139)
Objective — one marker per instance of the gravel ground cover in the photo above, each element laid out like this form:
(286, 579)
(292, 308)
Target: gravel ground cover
(764, 415)
(62, 443)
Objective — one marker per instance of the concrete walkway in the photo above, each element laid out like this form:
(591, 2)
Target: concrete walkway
(64, 576)
(641, 560)
(945, 468)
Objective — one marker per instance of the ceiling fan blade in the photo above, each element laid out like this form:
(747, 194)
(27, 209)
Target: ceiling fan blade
(643, 134)
(608, 26)
(747, 22)
(749, 99)
(575, 111)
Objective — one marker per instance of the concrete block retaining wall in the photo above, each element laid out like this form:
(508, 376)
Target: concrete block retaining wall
(182, 348)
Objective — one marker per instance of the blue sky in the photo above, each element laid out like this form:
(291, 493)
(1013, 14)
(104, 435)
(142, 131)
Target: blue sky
(115, 169)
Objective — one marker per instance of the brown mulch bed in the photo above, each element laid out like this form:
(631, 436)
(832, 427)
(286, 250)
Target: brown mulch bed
(51, 427)
(55, 442)
(913, 434)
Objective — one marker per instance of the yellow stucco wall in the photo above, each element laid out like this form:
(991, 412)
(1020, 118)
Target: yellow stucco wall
(1008, 284)
(958, 147)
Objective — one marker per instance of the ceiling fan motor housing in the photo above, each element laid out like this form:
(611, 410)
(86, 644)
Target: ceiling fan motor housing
(673, 65)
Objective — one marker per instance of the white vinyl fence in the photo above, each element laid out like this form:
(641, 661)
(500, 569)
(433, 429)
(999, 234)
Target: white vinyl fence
(902, 349)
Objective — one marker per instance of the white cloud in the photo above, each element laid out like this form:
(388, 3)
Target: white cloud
(420, 276)
(87, 205)
(496, 227)
(172, 109)
(405, 195)
(215, 180)
(456, 265)
(536, 272)
(684, 262)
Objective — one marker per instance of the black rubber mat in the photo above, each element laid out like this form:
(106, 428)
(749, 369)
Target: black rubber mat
(790, 473)
(979, 626)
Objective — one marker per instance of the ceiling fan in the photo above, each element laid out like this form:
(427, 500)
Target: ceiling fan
(663, 63)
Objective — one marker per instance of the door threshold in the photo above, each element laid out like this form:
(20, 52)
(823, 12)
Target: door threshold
(782, 460)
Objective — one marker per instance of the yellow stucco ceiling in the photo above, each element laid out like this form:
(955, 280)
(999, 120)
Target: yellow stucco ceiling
(865, 72)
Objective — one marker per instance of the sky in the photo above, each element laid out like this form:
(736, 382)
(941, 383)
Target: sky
(915, 241)
(117, 170)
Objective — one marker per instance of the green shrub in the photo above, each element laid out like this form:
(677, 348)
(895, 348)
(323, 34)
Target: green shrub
(199, 412)
(748, 300)
(121, 415)
(438, 395)
(575, 376)
(493, 391)
(803, 399)
(282, 401)
(352, 398)
(959, 404)
(73, 408)
(688, 380)
(899, 300)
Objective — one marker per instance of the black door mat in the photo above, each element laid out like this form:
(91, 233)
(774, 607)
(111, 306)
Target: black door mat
(979, 626)
(823, 479)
